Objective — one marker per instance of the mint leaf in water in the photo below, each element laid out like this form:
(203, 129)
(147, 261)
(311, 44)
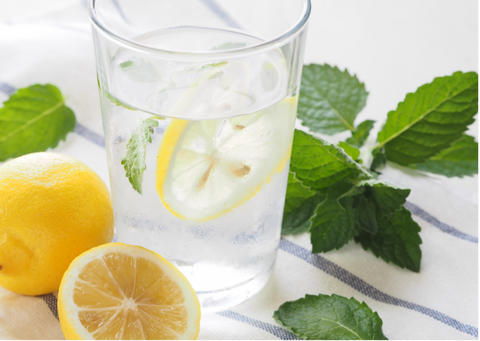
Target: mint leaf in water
(360, 135)
(333, 317)
(34, 119)
(140, 70)
(460, 159)
(126, 64)
(320, 164)
(330, 99)
(397, 240)
(112, 99)
(430, 119)
(134, 160)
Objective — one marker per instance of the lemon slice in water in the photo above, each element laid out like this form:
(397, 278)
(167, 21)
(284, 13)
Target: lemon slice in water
(208, 168)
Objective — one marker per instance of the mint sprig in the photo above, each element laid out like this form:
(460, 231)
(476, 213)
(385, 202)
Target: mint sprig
(332, 317)
(34, 119)
(345, 200)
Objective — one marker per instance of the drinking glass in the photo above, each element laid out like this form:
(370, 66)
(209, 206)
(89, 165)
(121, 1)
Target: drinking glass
(198, 101)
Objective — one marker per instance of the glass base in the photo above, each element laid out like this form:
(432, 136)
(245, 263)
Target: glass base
(214, 301)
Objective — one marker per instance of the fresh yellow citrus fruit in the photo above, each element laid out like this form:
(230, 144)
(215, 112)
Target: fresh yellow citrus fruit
(125, 292)
(208, 168)
(52, 208)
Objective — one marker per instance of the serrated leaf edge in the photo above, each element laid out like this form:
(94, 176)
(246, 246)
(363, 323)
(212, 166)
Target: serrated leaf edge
(381, 144)
(363, 305)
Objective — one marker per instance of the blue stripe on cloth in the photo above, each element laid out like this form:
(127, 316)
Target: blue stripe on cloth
(89, 135)
(7, 89)
(220, 12)
(270, 328)
(51, 301)
(120, 11)
(368, 290)
(435, 222)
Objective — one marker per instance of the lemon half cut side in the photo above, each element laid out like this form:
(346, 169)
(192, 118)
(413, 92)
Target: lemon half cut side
(210, 167)
(125, 292)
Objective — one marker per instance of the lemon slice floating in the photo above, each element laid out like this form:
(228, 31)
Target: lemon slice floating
(208, 168)
(124, 292)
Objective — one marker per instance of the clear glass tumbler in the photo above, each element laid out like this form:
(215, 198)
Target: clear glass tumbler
(198, 101)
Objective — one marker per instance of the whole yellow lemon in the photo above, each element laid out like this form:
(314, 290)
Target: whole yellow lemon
(52, 209)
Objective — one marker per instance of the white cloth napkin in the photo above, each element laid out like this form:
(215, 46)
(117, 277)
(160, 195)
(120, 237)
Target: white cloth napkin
(441, 302)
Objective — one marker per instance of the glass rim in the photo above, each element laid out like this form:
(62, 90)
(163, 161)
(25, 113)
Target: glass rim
(268, 44)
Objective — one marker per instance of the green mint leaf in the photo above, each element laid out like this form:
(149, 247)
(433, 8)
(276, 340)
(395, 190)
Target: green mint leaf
(320, 164)
(387, 197)
(136, 149)
(397, 240)
(213, 65)
(365, 214)
(379, 160)
(140, 70)
(430, 119)
(300, 204)
(333, 224)
(297, 220)
(360, 135)
(297, 193)
(380, 197)
(330, 99)
(112, 99)
(216, 75)
(126, 64)
(34, 119)
(333, 317)
(118, 103)
(352, 151)
(460, 159)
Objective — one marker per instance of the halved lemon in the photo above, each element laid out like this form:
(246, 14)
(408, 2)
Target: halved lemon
(208, 168)
(125, 292)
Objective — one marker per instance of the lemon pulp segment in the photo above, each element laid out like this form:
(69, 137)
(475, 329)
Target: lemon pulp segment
(127, 293)
(210, 167)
